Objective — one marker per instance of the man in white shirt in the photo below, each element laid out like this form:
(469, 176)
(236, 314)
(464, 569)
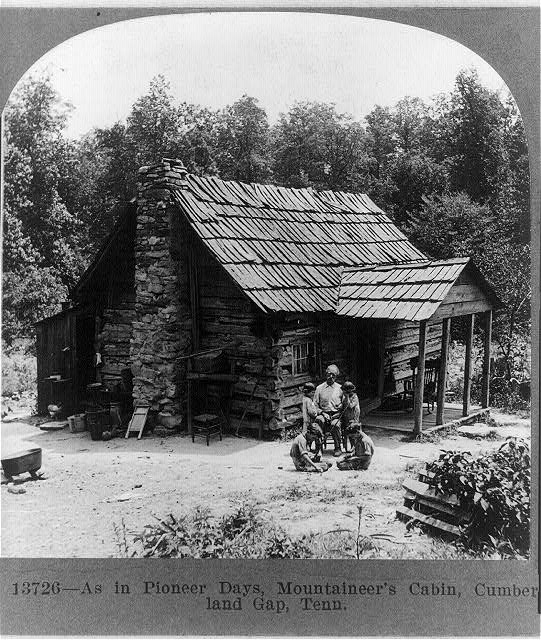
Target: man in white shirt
(328, 402)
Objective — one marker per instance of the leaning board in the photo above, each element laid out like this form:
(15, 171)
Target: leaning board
(137, 422)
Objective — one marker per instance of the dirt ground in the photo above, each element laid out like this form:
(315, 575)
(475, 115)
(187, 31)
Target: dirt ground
(90, 487)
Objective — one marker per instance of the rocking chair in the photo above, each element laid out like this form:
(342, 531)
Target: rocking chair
(432, 369)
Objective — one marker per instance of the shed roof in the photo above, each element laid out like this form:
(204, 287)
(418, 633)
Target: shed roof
(286, 248)
(398, 292)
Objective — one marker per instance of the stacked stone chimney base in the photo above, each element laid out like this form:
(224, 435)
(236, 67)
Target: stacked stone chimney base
(162, 326)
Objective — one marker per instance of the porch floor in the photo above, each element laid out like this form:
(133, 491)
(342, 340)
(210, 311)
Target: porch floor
(403, 420)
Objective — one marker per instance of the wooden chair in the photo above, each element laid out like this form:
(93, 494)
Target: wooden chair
(206, 425)
(432, 369)
(216, 373)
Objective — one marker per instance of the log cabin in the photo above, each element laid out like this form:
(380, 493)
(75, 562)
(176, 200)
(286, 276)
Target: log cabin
(215, 291)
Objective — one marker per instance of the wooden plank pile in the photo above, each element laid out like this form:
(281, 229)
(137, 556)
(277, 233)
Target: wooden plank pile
(439, 511)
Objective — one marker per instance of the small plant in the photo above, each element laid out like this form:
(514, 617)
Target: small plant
(495, 489)
(283, 546)
(241, 534)
(121, 539)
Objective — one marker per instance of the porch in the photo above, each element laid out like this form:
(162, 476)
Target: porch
(405, 421)
(424, 295)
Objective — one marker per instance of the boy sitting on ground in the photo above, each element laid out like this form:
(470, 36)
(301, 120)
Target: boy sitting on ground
(363, 450)
(300, 453)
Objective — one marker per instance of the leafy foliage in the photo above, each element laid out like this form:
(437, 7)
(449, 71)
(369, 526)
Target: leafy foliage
(495, 488)
(452, 172)
(313, 145)
(242, 534)
(242, 145)
(19, 370)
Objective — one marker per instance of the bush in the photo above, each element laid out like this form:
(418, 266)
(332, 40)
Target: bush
(242, 534)
(495, 489)
(19, 370)
(509, 395)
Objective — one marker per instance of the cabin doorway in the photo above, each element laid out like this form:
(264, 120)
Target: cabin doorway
(366, 356)
(84, 332)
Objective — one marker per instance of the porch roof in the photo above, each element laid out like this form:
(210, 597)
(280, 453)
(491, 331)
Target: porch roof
(398, 292)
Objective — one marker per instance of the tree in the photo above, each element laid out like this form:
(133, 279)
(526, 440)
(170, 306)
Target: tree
(197, 144)
(43, 239)
(153, 124)
(381, 144)
(242, 144)
(415, 177)
(507, 267)
(451, 225)
(409, 117)
(473, 139)
(402, 166)
(313, 145)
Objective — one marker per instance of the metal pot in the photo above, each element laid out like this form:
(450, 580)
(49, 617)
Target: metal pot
(22, 461)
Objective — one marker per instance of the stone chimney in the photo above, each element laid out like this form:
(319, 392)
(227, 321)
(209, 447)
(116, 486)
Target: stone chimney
(162, 328)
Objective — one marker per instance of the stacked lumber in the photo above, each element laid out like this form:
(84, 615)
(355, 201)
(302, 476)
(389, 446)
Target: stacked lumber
(439, 511)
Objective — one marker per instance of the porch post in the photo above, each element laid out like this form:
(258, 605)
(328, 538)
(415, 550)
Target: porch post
(442, 377)
(468, 366)
(420, 381)
(485, 392)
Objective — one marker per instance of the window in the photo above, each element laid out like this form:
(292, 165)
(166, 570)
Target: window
(304, 358)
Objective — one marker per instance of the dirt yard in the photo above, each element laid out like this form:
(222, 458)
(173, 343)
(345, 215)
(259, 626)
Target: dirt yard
(89, 487)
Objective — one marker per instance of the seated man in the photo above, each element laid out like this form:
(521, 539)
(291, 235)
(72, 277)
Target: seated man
(300, 453)
(363, 450)
(328, 402)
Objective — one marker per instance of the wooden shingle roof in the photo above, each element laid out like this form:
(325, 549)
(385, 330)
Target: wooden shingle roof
(398, 292)
(286, 248)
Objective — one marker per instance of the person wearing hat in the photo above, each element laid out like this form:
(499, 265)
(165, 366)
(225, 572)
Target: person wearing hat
(350, 411)
(301, 456)
(363, 450)
(328, 401)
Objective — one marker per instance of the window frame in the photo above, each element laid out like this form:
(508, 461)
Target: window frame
(308, 358)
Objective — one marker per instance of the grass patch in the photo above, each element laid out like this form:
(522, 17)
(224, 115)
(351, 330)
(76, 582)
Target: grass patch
(434, 437)
(296, 492)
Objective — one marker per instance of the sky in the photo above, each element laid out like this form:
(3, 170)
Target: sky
(278, 58)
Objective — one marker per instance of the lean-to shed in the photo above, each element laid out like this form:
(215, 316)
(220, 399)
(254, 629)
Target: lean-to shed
(283, 281)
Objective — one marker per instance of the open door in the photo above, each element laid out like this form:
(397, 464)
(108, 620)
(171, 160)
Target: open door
(366, 359)
(84, 331)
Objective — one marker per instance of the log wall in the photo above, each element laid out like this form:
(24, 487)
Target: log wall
(402, 344)
(118, 314)
(116, 335)
(333, 338)
(229, 320)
